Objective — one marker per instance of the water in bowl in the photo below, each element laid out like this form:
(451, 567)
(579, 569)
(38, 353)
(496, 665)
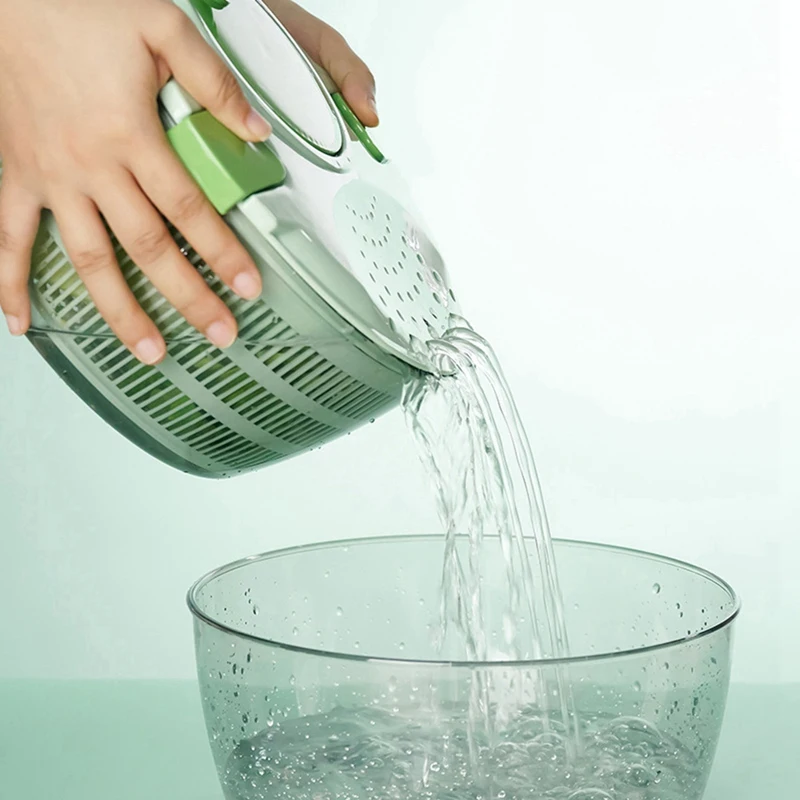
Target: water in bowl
(430, 752)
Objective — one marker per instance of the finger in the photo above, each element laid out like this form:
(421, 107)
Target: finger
(202, 73)
(164, 180)
(92, 255)
(20, 214)
(328, 48)
(145, 237)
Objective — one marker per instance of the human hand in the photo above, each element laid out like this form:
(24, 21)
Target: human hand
(80, 135)
(326, 47)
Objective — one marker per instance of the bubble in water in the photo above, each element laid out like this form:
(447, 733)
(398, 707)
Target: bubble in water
(656, 588)
(401, 749)
(640, 775)
(339, 611)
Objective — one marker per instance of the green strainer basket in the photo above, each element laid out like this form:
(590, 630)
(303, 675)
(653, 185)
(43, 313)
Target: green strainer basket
(351, 282)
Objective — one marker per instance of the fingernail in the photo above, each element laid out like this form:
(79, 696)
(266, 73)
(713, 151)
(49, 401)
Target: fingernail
(149, 351)
(372, 104)
(221, 334)
(14, 325)
(246, 285)
(258, 126)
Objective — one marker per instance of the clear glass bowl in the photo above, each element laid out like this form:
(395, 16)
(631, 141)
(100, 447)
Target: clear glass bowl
(321, 679)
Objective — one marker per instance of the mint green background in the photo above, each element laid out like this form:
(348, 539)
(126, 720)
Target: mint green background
(625, 233)
(615, 187)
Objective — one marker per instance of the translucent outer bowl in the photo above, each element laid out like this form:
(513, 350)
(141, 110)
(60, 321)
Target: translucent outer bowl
(300, 632)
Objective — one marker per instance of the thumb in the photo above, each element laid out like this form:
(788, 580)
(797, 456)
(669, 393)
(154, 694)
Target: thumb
(328, 48)
(351, 75)
(202, 73)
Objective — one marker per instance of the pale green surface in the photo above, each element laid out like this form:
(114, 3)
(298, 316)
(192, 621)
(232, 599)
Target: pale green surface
(141, 740)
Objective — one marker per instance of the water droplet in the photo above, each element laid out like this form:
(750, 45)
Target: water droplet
(656, 588)
(339, 611)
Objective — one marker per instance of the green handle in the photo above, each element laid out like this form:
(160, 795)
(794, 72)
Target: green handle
(355, 125)
(206, 8)
(227, 169)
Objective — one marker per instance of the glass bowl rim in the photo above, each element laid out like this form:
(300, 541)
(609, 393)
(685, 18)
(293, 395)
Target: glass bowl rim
(209, 577)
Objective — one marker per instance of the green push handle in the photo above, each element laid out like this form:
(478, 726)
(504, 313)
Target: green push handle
(355, 125)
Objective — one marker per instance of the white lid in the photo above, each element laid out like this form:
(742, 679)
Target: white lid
(278, 71)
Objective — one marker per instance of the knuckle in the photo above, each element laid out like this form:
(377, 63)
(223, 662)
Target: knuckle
(331, 39)
(191, 307)
(188, 206)
(151, 245)
(176, 22)
(49, 165)
(125, 318)
(226, 88)
(90, 261)
(9, 243)
(119, 133)
(200, 307)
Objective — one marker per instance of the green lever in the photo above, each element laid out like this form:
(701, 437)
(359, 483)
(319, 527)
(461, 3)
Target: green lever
(355, 125)
(206, 8)
(227, 169)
